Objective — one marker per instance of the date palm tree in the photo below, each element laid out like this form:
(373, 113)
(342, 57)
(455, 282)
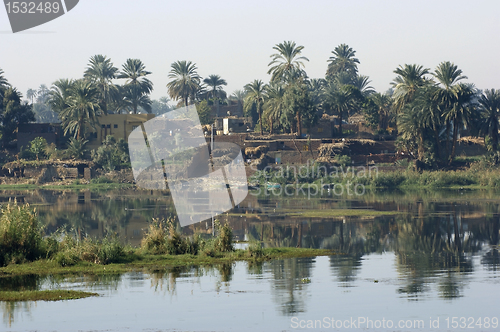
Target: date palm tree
(256, 92)
(383, 103)
(410, 78)
(4, 84)
(362, 83)
(341, 99)
(185, 81)
(462, 111)
(412, 127)
(215, 84)
(59, 94)
(342, 61)
(448, 77)
(287, 59)
(101, 72)
(43, 94)
(83, 109)
(274, 105)
(31, 95)
(137, 86)
(490, 109)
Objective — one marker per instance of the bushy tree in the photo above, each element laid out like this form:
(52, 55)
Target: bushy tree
(13, 113)
(111, 154)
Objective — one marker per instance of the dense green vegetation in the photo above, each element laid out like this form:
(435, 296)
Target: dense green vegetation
(425, 110)
(22, 242)
(483, 173)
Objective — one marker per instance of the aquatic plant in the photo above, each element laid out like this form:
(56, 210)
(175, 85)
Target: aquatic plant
(20, 234)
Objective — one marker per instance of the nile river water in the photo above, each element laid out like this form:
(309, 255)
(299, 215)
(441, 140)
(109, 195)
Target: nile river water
(431, 265)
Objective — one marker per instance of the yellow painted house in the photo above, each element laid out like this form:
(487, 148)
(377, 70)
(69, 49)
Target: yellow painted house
(118, 125)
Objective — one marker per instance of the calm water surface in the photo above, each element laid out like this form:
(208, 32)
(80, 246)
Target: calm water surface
(434, 259)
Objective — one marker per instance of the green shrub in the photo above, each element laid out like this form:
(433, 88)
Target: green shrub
(107, 251)
(111, 154)
(388, 180)
(155, 241)
(100, 180)
(76, 148)
(224, 240)
(20, 234)
(344, 160)
(254, 250)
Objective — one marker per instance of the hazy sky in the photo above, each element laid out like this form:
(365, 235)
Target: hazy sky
(234, 39)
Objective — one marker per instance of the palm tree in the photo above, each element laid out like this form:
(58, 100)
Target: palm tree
(133, 98)
(274, 105)
(256, 92)
(31, 95)
(383, 103)
(215, 83)
(100, 72)
(137, 86)
(287, 60)
(43, 94)
(4, 85)
(431, 113)
(411, 128)
(83, 109)
(362, 83)
(490, 109)
(342, 61)
(342, 99)
(185, 81)
(316, 88)
(461, 111)
(59, 94)
(448, 77)
(410, 78)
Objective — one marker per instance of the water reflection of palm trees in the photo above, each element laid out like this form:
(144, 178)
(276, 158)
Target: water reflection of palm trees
(287, 287)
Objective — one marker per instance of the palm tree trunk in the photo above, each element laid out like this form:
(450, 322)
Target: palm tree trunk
(299, 125)
(448, 130)
(260, 118)
(438, 143)
(421, 151)
(455, 134)
(340, 122)
(494, 135)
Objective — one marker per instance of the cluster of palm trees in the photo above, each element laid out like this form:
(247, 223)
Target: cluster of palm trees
(79, 102)
(13, 111)
(188, 87)
(426, 109)
(291, 100)
(432, 107)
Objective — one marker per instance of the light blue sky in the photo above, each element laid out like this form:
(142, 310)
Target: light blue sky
(234, 38)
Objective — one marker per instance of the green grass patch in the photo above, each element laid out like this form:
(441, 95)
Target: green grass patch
(138, 262)
(46, 295)
(331, 213)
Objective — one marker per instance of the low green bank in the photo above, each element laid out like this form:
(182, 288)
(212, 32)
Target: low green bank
(137, 261)
(46, 295)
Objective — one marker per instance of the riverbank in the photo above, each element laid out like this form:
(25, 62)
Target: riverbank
(46, 295)
(134, 260)
(476, 176)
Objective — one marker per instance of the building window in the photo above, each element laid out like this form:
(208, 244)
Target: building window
(103, 126)
(135, 127)
(115, 126)
(109, 126)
